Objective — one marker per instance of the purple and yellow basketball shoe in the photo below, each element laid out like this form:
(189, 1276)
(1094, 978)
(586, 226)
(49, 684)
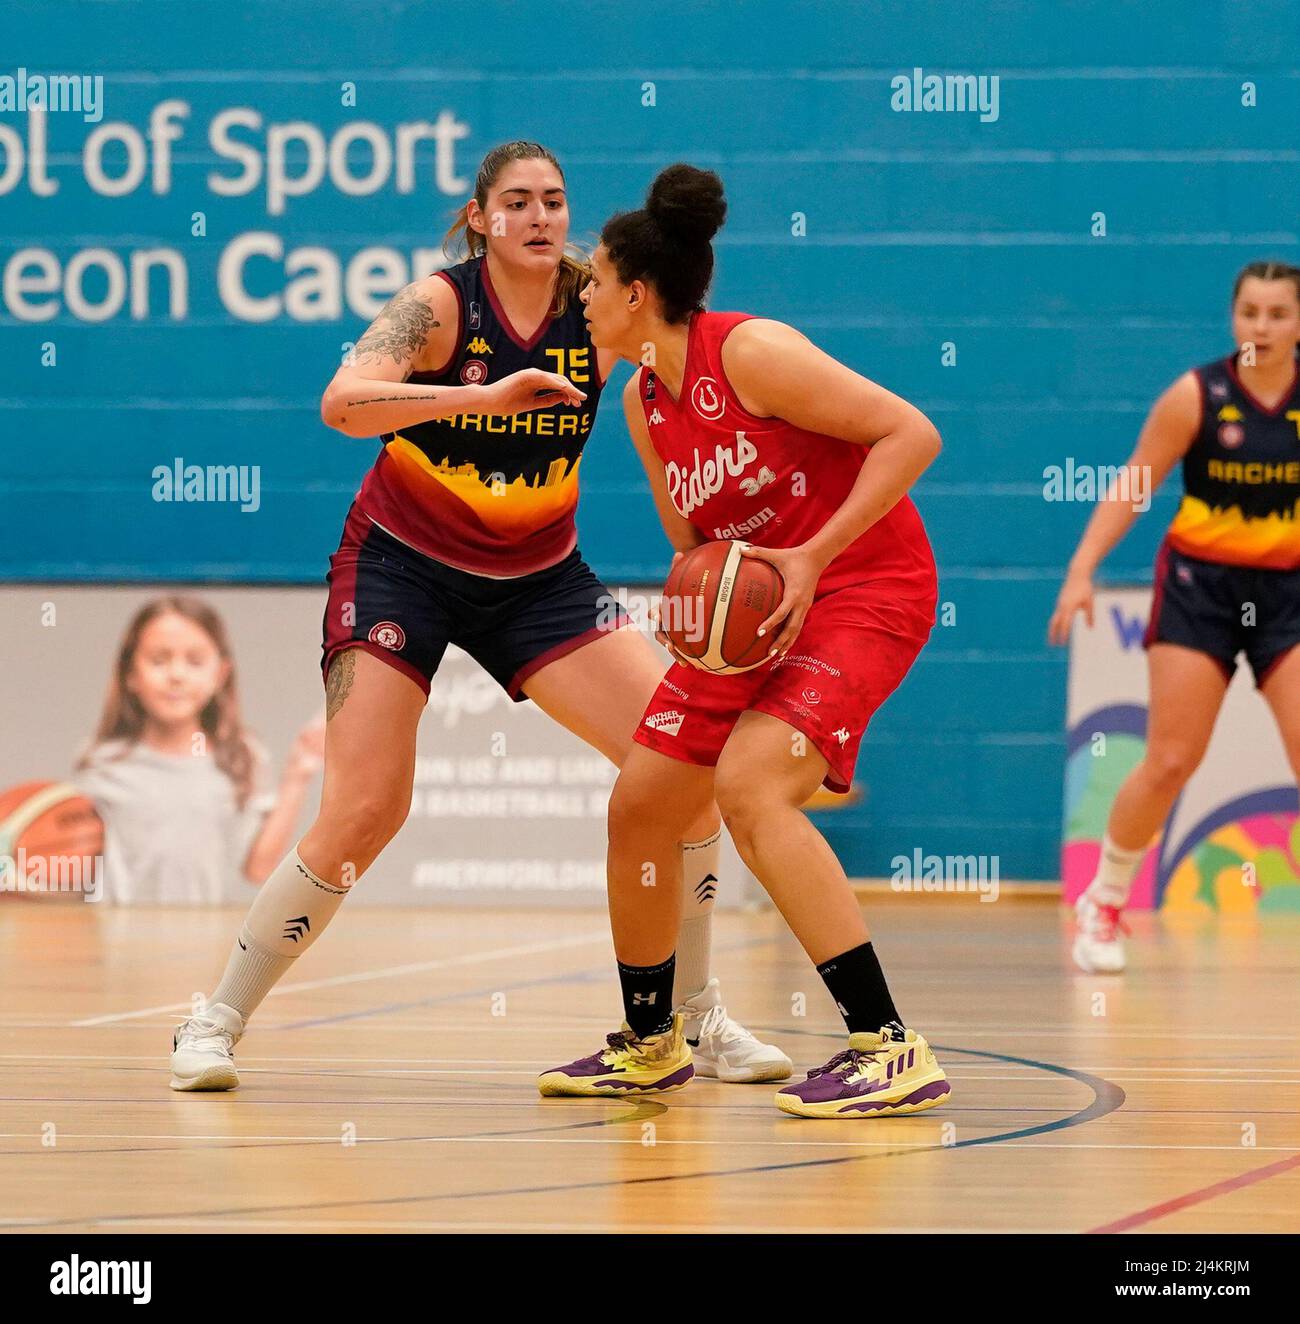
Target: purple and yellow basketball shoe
(627, 1065)
(877, 1075)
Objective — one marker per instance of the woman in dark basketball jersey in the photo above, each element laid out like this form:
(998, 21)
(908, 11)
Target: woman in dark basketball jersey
(1235, 540)
(741, 423)
(484, 383)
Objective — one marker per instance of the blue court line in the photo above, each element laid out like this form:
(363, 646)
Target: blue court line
(1107, 1097)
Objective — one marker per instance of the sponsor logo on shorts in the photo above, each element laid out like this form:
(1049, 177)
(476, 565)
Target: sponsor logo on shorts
(388, 634)
(810, 695)
(708, 401)
(669, 723)
(842, 735)
(473, 372)
(675, 689)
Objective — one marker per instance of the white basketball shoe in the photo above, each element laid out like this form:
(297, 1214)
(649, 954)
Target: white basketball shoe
(724, 1050)
(1098, 945)
(202, 1050)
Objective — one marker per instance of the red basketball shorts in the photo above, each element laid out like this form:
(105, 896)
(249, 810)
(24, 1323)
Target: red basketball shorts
(855, 647)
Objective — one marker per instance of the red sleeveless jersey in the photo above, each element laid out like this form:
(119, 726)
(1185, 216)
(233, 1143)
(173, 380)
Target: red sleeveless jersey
(763, 480)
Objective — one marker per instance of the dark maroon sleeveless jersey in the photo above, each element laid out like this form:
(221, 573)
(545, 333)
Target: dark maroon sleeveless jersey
(491, 494)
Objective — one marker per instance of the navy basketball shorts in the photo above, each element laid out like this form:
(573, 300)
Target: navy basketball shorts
(405, 608)
(1224, 610)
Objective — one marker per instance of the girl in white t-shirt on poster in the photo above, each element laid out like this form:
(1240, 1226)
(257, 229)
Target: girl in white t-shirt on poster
(177, 777)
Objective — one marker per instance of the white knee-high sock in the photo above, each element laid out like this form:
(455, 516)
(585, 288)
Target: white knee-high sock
(695, 937)
(1116, 869)
(286, 917)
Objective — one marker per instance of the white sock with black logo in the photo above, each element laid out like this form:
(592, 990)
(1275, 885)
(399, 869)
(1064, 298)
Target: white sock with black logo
(695, 937)
(289, 913)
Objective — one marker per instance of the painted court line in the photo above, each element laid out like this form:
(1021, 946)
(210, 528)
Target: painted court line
(728, 1142)
(363, 976)
(1205, 1193)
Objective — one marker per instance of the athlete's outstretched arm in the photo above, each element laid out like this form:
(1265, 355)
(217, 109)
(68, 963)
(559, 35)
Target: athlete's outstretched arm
(680, 531)
(1166, 437)
(370, 395)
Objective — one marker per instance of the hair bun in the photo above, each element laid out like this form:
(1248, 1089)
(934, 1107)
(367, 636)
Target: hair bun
(687, 204)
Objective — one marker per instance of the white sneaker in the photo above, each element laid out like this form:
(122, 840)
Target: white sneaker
(202, 1057)
(1098, 947)
(723, 1050)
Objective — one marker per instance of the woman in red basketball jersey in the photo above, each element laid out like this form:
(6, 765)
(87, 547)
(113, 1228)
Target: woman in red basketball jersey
(484, 384)
(743, 425)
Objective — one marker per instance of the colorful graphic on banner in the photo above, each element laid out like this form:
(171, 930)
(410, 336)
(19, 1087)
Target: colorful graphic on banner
(1231, 842)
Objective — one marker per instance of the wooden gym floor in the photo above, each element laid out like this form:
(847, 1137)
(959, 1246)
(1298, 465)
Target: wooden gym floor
(1164, 1100)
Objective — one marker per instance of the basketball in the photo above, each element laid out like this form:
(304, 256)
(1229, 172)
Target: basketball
(713, 603)
(51, 832)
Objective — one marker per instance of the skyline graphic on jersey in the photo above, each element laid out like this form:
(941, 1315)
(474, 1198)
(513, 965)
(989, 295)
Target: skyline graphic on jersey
(513, 508)
(1225, 533)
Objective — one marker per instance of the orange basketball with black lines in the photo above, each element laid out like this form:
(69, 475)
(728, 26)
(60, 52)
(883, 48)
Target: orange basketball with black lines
(51, 828)
(713, 604)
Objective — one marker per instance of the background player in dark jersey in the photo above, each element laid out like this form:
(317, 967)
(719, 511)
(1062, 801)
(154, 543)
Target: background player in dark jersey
(484, 383)
(741, 422)
(1227, 579)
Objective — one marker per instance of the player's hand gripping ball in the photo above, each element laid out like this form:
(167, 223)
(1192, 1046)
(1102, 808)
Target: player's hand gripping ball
(713, 604)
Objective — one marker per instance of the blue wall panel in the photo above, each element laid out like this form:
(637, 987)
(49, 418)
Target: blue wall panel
(922, 229)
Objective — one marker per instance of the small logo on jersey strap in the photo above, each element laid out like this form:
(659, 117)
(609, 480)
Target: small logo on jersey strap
(1184, 573)
(1218, 390)
(649, 385)
(473, 372)
(656, 417)
(388, 634)
(709, 402)
(842, 735)
(478, 346)
(669, 723)
(750, 486)
(1231, 435)
(475, 317)
(811, 696)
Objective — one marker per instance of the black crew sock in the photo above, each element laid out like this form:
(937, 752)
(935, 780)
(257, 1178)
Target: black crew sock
(857, 984)
(648, 996)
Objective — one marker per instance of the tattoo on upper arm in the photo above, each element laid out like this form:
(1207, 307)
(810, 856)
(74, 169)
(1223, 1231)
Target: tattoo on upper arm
(400, 331)
(338, 683)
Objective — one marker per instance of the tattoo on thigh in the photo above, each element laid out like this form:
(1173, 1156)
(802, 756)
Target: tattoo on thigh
(338, 684)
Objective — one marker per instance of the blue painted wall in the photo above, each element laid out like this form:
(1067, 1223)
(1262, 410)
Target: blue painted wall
(922, 228)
